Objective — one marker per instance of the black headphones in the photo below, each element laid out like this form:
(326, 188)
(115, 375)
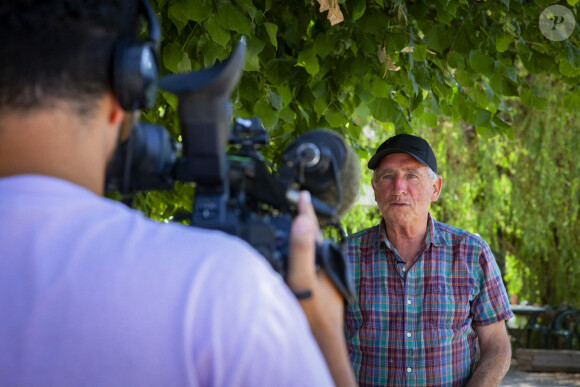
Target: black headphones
(135, 65)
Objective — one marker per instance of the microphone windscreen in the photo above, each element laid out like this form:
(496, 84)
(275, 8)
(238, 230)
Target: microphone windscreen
(328, 166)
(350, 179)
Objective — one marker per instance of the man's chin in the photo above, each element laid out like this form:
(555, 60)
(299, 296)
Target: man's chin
(399, 214)
(399, 208)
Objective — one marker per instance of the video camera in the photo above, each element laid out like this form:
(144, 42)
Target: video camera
(236, 192)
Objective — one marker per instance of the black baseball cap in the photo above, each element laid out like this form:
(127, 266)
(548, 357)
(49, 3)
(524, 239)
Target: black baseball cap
(405, 143)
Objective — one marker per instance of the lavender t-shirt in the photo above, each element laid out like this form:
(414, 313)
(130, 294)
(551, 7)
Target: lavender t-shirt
(94, 294)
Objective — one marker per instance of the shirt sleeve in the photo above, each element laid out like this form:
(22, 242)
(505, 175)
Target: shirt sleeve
(492, 303)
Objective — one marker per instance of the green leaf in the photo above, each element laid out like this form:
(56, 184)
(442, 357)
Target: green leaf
(172, 55)
(184, 64)
(275, 100)
(571, 101)
(354, 47)
(248, 7)
(567, 69)
(396, 42)
(532, 101)
(255, 47)
(485, 131)
(209, 51)
(510, 72)
(503, 86)
(319, 88)
(503, 41)
(335, 118)
(456, 60)
(374, 22)
(170, 98)
(320, 105)
(402, 125)
(430, 120)
(217, 33)
(307, 59)
(422, 77)
(186, 10)
(481, 63)
(438, 38)
(233, 19)
(411, 77)
(304, 114)
(420, 52)
(272, 30)
(569, 61)
(358, 9)
(572, 55)
(268, 115)
(380, 88)
(497, 121)
(250, 89)
(544, 3)
(287, 115)
(535, 62)
(572, 3)
(285, 93)
(323, 45)
(278, 70)
(480, 117)
(385, 110)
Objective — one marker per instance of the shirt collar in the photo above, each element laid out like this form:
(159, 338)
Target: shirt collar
(434, 234)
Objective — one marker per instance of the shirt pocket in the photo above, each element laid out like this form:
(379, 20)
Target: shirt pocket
(446, 306)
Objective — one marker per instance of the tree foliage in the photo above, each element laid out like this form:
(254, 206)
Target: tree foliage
(387, 61)
(522, 194)
(457, 72)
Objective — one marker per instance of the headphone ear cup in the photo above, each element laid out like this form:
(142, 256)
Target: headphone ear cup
(135, 75)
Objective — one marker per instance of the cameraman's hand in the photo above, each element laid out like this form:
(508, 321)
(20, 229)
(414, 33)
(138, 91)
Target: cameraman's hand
(325, 307)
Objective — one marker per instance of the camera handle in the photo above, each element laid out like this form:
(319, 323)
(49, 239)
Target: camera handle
(329, 256)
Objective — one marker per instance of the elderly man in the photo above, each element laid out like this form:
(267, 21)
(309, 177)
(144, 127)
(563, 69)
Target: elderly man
(431, 302)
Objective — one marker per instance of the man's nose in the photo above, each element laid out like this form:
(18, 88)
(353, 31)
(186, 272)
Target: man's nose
(399, 185)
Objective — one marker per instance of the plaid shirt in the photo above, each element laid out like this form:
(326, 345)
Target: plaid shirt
(416, 328)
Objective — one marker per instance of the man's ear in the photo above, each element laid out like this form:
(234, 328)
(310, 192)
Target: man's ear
(116, 114)
(123, 119)
(437, 185)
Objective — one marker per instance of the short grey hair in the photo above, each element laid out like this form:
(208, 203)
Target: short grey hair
(431, 173)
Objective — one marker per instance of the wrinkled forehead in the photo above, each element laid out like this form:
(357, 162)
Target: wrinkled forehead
(399, 161)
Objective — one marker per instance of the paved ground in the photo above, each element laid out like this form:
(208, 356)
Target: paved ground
(515, 378)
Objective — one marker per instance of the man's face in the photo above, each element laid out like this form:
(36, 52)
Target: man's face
(404, 190)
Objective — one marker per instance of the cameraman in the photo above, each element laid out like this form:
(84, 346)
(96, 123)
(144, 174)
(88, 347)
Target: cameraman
(93, 293)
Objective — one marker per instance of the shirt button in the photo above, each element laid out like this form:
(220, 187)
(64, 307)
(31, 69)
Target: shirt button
(409, 369)
(409, 301)
(408, 334)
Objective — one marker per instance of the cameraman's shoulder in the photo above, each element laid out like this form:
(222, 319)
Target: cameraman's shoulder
(171, 241)
(209, 244)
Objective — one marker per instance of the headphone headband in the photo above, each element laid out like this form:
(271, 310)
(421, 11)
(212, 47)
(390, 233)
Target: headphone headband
(135, 65)
(154, 28)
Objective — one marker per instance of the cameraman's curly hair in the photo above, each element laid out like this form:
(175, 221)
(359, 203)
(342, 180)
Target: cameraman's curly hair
(60, 50)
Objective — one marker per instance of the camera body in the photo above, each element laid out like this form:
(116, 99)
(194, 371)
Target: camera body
(236, 192)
